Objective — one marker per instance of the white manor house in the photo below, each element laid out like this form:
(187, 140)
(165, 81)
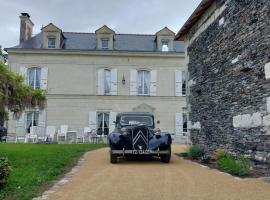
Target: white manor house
(90, 77)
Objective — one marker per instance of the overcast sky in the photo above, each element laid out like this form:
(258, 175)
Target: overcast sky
(123, 16)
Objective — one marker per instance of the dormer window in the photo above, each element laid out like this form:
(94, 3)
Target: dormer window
(164, 45)
(105, 43)
(51, 42)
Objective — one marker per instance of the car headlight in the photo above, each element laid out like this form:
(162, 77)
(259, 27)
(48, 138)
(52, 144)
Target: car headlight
(157, 131)
(124, 131)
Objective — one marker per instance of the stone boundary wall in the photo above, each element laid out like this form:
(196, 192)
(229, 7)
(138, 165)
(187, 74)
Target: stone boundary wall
(229, 80)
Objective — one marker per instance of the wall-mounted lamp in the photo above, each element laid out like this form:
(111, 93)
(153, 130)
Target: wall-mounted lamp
(123, 80)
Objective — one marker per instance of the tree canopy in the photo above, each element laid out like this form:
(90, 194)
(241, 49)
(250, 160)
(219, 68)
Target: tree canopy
(15, 96)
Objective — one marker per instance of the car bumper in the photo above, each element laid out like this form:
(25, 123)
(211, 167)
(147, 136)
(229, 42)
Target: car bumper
(140, 152)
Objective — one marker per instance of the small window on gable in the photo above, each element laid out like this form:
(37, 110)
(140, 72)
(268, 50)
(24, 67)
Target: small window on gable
(51, 42)
(164, 45)
(105, 43)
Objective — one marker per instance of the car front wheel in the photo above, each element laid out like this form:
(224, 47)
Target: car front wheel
(113, 157)
(166, 157)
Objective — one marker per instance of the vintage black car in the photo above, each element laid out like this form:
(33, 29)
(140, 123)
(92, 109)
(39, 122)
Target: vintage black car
(135, 134)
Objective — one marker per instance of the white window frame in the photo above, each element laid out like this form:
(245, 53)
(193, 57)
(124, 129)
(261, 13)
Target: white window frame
(109, 82)
(165, 47)
(103, 40)
(49, 45)
(185, 120)
(35, 77)
(103, 122)
(143, 82)
(32, 118)
(184, 83)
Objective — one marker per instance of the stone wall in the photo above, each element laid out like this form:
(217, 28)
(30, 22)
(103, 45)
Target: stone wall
(229, 80)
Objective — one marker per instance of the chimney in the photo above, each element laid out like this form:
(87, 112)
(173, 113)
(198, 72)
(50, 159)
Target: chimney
(26, 28)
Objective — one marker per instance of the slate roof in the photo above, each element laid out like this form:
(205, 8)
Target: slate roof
(87, 41)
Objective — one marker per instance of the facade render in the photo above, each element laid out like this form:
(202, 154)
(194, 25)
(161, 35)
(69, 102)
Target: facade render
(227, 53)
(90, 77)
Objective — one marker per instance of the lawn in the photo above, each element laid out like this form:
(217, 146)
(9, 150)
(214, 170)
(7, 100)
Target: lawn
(36, 166)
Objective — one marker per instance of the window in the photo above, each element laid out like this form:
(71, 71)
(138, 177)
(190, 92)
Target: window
(184, 87)
(164, 45)
(107, 81)
(103, 123)
(34, 77)
(31, 120)
(51, 42)
(184, 124)
(143, 82)
(105, 43)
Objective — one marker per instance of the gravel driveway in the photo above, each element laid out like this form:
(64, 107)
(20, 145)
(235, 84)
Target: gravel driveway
(179, 180)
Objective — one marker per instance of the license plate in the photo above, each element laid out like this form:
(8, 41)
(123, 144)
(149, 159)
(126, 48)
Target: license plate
(141, 151)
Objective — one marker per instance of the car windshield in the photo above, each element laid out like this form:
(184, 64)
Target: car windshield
(136, 120)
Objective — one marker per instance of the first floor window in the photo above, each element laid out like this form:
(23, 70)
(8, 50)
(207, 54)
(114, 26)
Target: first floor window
(34, 77)
(31, 120)
(184, 86)
(143, 82)
(103, 123)
(184, 124)
(51, 42)
(107, 81)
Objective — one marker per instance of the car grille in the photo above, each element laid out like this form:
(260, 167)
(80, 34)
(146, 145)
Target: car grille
(140, 138)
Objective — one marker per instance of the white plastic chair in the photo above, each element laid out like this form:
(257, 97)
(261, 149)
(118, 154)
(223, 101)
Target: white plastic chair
(87, 132)
(20, 134)
(62, 132)
(32, 135)
(80, 135)
(40, 133)
(50, 133)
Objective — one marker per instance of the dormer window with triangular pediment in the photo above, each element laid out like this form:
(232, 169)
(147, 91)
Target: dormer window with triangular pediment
(105, 38)
(165, 40)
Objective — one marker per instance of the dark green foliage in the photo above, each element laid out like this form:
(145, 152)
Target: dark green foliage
(195, 152)
(35, 166)
(4, 171)
(184, 154)
(15, 96)
(238, 166)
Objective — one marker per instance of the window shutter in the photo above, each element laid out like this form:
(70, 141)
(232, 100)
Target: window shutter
(114, 82)
(178, 124)
(133, 82)
(21, 121)
(23, 72)
(153, 83)
(44, 78)
(100, 82)
(178, 83)
(93, 120)
(112, 119)
(42, 118)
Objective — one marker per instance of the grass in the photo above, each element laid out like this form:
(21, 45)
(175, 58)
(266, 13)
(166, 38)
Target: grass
(36, 166)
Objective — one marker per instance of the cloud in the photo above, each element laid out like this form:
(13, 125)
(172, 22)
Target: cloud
(124, 16)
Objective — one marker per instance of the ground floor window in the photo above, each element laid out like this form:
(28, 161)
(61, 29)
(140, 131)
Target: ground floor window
(103, 123)
(31, 120)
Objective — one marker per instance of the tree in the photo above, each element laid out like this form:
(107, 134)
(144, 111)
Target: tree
(15, 96)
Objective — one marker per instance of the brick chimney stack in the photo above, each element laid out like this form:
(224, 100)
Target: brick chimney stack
(26, 28)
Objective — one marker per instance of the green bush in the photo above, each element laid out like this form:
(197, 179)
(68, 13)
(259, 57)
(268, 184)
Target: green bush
(219, 153)
(184, 154)
(195, 152)
(4, 171)
(238, 166)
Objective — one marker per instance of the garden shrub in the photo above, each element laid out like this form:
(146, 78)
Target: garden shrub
(220, 153)
(195, 152)
(4, 170)
(184, 154)
(238, 166)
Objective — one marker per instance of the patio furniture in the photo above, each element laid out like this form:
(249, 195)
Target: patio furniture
(32, 135)
(40, 133)
(80, 135)
(50, 133)
(62, 132)
(87, 132)
(20, 134)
